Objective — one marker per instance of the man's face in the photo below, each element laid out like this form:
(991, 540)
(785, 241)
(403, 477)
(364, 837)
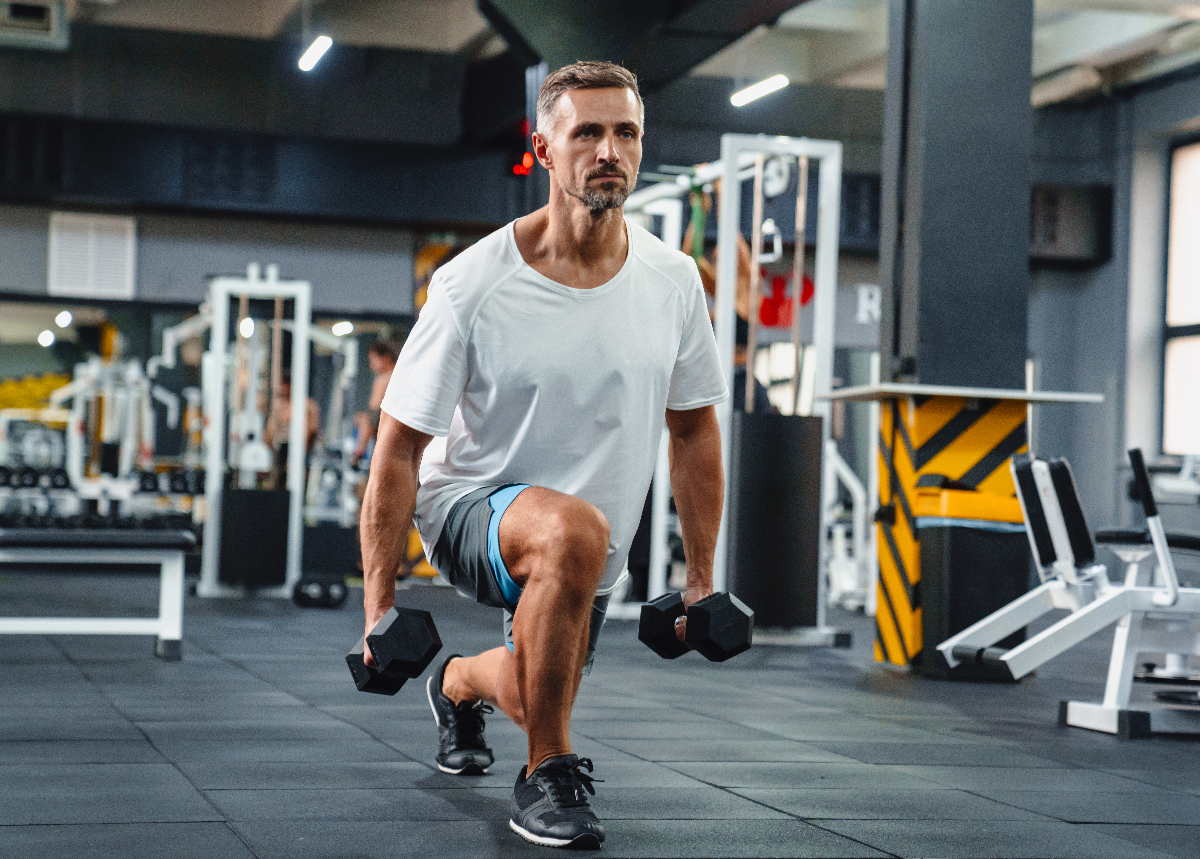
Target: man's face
(597, 146)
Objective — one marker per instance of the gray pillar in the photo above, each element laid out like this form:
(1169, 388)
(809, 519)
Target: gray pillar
(537, 183)
(954, 238)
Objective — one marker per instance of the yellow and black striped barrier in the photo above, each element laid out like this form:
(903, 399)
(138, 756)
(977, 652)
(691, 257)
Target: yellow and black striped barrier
(944, 456)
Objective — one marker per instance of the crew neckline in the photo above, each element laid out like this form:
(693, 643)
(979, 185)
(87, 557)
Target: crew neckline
(566, 289)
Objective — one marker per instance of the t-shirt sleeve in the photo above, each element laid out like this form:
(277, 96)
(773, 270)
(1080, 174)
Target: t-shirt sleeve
(430, 373)
(697, 379)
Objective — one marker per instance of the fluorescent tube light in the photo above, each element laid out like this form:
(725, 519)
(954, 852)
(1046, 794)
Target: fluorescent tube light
(758, 90)
(315, 51)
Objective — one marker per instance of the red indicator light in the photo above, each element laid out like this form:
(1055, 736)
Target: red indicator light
(527, 160)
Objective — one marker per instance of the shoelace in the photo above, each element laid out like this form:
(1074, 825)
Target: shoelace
(563, 784)
(468, 720)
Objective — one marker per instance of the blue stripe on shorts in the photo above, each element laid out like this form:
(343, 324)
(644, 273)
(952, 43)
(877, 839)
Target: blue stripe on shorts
(499, 501)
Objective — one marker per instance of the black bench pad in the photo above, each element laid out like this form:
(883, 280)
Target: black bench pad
(95, 538)
(1124, 537)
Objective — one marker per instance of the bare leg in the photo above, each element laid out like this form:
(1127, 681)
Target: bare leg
(491, 676)
(555, 546)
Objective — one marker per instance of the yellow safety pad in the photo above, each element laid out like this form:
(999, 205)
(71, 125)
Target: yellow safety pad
(967, 440)
(416, 557)
(898, 610)
(964, 504)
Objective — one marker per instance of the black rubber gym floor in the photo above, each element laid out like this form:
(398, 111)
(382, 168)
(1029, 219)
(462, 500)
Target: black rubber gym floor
(258, 745)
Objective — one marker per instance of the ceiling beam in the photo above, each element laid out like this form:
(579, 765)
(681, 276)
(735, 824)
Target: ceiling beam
(659, 40)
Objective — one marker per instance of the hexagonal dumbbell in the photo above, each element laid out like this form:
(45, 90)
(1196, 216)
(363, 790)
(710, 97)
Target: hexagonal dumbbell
(719, 626)
(403, 642)
(656, 628)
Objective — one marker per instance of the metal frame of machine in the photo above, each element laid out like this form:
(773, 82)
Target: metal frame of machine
(216, 383)
(1158, 618)
(739, 153)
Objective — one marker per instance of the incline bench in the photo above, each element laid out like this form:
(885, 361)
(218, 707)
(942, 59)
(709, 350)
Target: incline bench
(104, 546)
(1151, 612)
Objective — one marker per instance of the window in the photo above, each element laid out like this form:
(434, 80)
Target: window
(1181, 329)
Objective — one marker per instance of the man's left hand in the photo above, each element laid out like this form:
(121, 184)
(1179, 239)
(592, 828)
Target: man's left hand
(691, 595)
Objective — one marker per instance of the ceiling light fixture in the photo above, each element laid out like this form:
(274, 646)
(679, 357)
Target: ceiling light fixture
(315, 51)
(246, 328)
(758, 90)
(341, 329)
(63, 319)
(46, 338)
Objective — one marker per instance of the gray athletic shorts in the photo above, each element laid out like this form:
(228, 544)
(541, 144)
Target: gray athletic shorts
(468, 554)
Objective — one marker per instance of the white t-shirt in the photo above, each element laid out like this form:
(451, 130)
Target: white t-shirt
(540, 383)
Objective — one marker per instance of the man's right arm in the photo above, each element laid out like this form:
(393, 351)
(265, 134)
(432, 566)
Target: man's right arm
(387, 512)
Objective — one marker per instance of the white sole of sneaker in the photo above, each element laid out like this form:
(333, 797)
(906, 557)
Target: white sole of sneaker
(579, 842)
(469, 769)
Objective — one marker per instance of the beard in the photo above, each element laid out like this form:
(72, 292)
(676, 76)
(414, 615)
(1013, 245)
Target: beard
(608, 195)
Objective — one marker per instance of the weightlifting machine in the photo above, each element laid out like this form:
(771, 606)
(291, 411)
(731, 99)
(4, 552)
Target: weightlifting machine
(231, 377)
(332, 477)
(122, 397)
(745, 157)
(1152, 615)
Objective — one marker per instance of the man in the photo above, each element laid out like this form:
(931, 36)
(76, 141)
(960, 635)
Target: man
(381, 359)
(549, 353)
(278, 427)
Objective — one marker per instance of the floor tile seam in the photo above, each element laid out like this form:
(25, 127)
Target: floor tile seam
(839, 713)
(249, 848)
(1124, 774)
(374, 736)
(1164, 853)
(1048, 817)
(617, 690)
(852, 838)
(149, 740)
(320, 709)
(732, 722)
(731, 790)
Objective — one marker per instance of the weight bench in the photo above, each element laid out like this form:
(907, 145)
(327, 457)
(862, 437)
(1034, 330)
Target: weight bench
(1152, 616)
(97, 546)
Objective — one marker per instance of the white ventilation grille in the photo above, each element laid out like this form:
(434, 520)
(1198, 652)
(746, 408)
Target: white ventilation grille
(35, 24)
(92, 256)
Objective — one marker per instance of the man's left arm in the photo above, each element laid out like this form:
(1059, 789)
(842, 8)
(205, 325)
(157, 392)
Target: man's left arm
(698, 484)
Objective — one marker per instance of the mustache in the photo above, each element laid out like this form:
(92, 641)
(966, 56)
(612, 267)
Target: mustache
(609, 173)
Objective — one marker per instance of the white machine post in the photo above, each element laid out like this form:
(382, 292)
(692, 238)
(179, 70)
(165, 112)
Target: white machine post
(671, 212)
(215, 371)
(735, 148)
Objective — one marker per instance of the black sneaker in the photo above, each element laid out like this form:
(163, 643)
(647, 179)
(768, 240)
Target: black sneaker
(462, 749)
(551, 807)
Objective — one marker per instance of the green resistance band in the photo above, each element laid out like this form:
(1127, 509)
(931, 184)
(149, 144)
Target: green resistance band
(698, 222)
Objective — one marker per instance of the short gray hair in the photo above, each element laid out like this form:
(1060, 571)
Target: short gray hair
(585, 74)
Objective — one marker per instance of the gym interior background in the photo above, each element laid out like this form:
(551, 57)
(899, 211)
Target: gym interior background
(1019, 188)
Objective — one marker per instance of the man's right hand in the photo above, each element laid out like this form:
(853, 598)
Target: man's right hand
(386, 518)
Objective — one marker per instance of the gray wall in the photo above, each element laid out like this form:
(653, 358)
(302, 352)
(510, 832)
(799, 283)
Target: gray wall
(359, 270)
(1100, 329)
(24, 245)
